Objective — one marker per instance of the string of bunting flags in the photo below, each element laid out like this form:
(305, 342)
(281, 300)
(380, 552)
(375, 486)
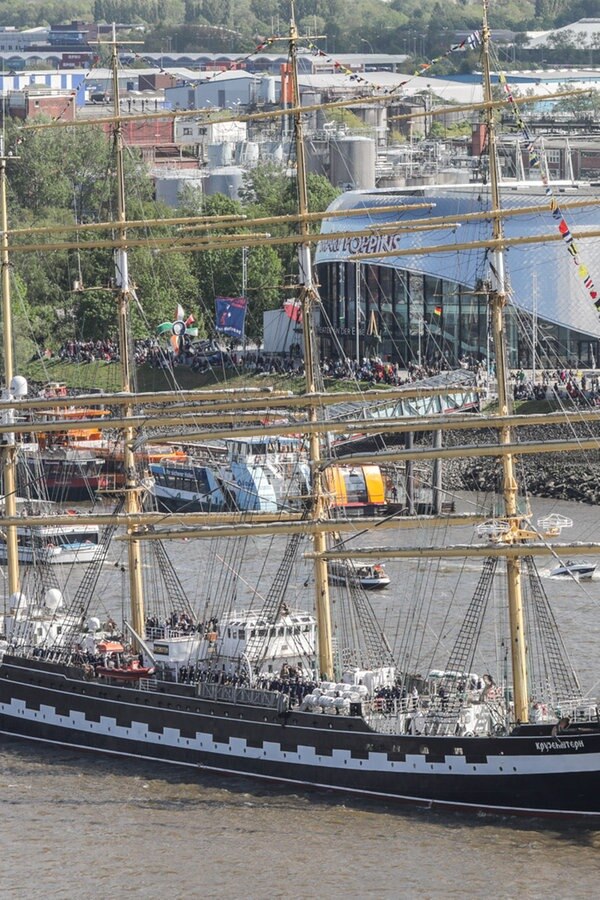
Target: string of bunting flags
(537, 161)
(209, 76)
(472, 41)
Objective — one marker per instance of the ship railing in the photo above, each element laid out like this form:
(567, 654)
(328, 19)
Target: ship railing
(387, 715)
(429, 716)
(499, 714)
(148, 684)
(578, 710)
(229, 693)
(402, 718)
(164, 632)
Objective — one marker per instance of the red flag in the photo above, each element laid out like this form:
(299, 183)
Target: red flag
(293, 309)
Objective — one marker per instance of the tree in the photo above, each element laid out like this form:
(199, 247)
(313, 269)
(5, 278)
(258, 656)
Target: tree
(269, 191)
(65, 177)
(219, 273)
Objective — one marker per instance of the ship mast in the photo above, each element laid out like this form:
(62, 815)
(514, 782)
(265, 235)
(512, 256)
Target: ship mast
(124, 291)
(307, 298)
(8, 447)
(497, 300)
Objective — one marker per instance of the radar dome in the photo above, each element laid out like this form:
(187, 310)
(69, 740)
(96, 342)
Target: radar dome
(53, 599)
(18, 386)
(18, 601)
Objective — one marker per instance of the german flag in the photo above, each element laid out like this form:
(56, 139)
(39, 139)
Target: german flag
(437, 311)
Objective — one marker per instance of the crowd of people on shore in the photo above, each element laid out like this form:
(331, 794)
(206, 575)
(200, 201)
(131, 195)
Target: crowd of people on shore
(205, 355)
(88, 351)
(557, 384)
(202, 356)
(107, 351)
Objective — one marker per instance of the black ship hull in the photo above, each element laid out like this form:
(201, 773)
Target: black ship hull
(534, 773)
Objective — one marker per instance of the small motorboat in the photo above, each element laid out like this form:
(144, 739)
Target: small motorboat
(580, 570)
(370, 577)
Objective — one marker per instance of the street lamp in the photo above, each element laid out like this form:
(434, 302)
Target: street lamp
(368, 43)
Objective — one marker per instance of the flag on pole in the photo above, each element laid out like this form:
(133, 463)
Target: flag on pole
(230, 315)
(293, 309)
(437, 311)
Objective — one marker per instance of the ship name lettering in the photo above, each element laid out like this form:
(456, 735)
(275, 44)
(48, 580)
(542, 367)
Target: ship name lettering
(549, 746)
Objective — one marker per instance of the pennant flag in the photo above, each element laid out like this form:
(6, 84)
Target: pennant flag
(293, 309)
(230, 315)
(179, 313)
(474, 40)
(538, 161)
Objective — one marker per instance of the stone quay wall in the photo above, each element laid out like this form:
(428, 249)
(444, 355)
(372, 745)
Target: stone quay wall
(567, 475)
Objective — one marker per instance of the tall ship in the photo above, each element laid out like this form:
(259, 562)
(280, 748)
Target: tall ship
(278, 688)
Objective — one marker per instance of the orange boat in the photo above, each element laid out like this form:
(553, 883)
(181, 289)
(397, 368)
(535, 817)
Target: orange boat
(131, 670)
(107, 451)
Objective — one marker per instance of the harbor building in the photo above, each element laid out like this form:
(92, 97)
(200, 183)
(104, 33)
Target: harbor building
(422, 307)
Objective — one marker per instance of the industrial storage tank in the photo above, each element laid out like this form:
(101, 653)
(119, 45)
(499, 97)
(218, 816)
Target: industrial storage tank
(227, 180)
(221, 153)
(267, 89)
(247, 153)
(352, 162)
(317, 156)
(169, 184)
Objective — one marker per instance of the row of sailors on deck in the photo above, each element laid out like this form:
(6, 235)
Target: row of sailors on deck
(180, 623)
(294, 683)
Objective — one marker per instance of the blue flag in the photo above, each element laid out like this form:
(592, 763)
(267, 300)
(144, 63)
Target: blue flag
(230, 315)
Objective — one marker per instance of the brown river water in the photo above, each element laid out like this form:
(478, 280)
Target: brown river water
(78, 826)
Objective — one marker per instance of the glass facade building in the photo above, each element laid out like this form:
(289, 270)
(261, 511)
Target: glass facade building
(420, 307)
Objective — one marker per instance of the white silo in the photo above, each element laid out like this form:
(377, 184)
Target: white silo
(352, 162)
(227, 180)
